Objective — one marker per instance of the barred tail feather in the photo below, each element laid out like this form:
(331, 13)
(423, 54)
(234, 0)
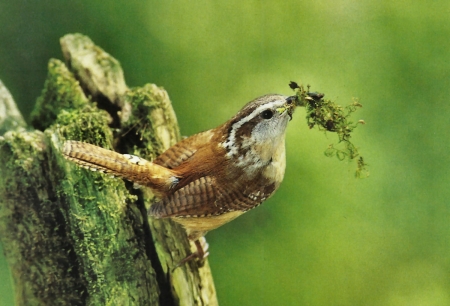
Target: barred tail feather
(130, 167)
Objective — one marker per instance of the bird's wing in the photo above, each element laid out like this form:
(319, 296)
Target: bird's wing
(183, 150)
(202, 198)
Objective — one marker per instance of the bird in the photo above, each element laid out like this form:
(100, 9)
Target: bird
(210, 178)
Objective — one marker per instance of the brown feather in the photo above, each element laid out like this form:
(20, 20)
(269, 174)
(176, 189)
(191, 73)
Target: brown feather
(160, 179)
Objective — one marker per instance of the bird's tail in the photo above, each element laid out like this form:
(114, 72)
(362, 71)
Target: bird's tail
(130, 167)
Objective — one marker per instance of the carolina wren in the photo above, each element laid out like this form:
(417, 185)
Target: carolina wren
(210, 178)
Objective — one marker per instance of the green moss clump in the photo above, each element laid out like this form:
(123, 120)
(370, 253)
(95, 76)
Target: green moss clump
(61, 92)
(88, 124)
(152, 119)
(331, 117)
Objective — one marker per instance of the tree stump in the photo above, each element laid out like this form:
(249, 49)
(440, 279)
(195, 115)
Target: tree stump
(74, 237)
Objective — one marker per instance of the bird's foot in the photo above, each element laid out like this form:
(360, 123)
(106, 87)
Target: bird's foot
(201, 253)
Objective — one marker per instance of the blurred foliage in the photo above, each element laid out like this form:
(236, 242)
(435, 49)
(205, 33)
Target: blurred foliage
(325, 238)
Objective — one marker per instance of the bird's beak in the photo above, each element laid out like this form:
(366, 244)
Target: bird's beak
(291, 103)
(288, 107)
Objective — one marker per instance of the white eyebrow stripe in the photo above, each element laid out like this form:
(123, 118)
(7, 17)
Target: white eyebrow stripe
(232, 136)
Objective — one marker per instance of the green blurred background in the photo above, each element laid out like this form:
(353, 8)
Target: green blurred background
(325, 238)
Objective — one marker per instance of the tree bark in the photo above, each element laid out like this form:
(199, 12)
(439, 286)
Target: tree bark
(74, 237)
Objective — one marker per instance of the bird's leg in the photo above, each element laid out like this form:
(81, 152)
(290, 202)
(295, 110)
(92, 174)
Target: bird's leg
(202, 248)
(201, 253)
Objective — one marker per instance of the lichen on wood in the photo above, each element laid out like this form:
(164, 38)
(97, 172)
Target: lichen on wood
(10, 117)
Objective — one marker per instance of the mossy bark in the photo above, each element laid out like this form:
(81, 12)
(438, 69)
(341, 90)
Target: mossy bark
(74, 237)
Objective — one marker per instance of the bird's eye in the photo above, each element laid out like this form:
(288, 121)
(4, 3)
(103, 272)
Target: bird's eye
(267, 114)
